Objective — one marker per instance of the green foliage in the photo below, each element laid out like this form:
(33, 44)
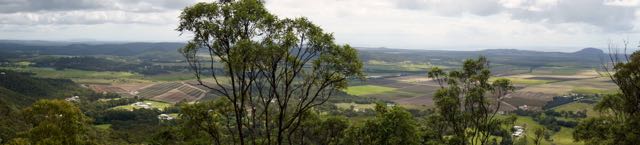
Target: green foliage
(463, 105)
(277, 69)
(22, 89)
(19, 141)
(437, 74)
(210, 117)
(331, 130)
(539, 134)
(19, 90)
(56, 122)
(621, 120)
(391, 126)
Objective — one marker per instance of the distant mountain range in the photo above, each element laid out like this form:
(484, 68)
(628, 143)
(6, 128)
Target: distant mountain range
(168, 50)
(123, 49)
(587, 57)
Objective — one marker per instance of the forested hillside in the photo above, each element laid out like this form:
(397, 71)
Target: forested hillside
(21, 89)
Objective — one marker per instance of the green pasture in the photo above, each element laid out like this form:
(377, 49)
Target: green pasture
(154, 104)
(578, 106)
(368, 89)
(591, 90)
(523, 81)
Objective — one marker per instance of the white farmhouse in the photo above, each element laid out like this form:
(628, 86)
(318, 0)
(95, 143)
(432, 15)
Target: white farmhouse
(165, 117)
(519, 131)
(142, 105)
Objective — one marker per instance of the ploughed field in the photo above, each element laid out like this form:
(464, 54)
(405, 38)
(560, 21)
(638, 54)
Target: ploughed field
(170, 92)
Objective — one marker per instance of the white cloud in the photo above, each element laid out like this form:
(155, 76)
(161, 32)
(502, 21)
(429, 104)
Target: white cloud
(519, 23)
(88, 17)
(420, 24)
(629, 3)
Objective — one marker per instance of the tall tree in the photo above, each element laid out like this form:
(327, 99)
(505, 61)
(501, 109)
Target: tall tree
(55, 122)
(464, 105)
(271, 70)
(538, 135)
(620, 119)
(391, 126)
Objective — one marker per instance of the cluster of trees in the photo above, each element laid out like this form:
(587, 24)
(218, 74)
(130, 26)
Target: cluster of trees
(92, 63)
(549, 118)
(199, 124)
(620, 118)
(29, 88)
(567, 114)
(561, 100)
(467, 104)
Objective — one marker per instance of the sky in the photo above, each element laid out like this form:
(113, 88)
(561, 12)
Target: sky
(547, 25)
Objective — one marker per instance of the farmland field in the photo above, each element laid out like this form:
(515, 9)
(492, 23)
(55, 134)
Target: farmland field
(157, 89)
(191, 91)
(103, 126)
(73, 74)
(172, 92)
(577, 106)
(591, 90)
(523, 81)
(107, 88)
(532, 89)
(171, 77)
(368, 89)
(557, 71)
(584, 82)
(174, 96)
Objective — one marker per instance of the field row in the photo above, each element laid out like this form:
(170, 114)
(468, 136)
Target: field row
(158, 89)
(190, 91)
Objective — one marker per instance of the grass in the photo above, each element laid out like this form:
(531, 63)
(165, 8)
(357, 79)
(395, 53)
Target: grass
(522, 80)
(23, 63)
(590, 90)
(154, 104)
(557, 70)
(106, 100)
(564, 137)
(577, 106)
(103, 126)
(368, 89)
(174, 115)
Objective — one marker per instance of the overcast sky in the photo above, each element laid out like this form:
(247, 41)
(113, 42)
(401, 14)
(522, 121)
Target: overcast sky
(550, 25)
